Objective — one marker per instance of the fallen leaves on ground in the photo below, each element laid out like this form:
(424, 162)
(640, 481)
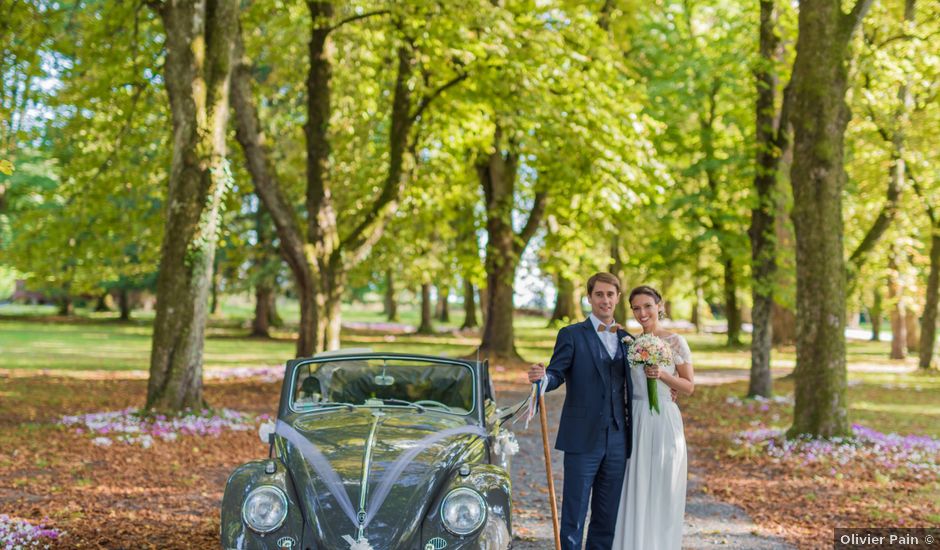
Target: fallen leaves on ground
(799, 498)
(123, 495)
(167, 496)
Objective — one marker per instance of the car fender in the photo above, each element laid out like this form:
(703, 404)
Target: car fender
(493, 484)
(235, 534)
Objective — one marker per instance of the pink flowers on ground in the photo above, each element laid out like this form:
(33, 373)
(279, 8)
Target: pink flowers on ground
(263, 374)
(16, 534)
(133, 427)
(916, 455)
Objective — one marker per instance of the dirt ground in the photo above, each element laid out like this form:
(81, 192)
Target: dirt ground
(167, 496)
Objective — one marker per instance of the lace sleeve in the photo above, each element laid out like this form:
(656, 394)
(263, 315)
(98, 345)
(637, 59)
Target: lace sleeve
(682, 355)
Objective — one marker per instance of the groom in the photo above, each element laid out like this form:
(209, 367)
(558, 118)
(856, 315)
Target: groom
(595, 432)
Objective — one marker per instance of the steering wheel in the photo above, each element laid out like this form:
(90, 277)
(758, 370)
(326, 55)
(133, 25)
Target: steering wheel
(432, 403)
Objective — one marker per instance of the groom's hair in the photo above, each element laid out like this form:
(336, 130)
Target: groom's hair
(603, 277)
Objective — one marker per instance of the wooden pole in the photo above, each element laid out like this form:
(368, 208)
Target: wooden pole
(548, 470)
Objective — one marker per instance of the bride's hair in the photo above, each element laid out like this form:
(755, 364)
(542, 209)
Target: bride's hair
(651, 292)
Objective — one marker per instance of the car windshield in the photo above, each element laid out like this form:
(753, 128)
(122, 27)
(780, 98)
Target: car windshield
(377, 382)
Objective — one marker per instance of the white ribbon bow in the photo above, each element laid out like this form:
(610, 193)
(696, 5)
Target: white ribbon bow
(357, 544)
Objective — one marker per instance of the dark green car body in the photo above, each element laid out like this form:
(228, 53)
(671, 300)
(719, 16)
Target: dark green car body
(435, 447)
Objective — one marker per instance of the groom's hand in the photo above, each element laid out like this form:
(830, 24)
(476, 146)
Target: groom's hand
(536, 372)
(674, 394)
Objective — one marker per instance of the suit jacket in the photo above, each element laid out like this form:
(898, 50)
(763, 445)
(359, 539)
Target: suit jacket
(576, 362)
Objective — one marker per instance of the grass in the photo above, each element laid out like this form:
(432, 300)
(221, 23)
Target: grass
(31, 338)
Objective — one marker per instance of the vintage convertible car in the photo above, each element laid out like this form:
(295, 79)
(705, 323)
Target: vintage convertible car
(378, 451)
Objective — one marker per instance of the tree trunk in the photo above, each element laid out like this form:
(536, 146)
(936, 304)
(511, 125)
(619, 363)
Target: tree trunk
(427, 326)
(783, 316)
(698, 308)
(853, 319)
(391, 301)
(898, 310)
(784, 325)
(484, 303)
(216, 281)
(875, 313)
(696, 317)
(263, 298)
(102, 304)
(304, 268)
(763, 220)
(199, 49)
(912, 330)
(566, 303)
(124, 303)
(898, 333)
(443, 310)
(274, 318)
(497, 174)
(731, 304)
(469, 306)
(335, 285)
(761, 382)
(66, 306)
(928, 322)
(819, 118)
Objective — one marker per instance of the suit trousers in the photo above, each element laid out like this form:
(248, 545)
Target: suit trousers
(599, 471)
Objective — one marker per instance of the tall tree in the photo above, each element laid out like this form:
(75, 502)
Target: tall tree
(321, 249)
(898, 304)
(199, 48)
(819, 118)
(701, 99)
(567, 305)
(442, 308)
(391, 296)
(928, 324)
(469, 305)
(772, 136)
(79, 192)
(571, 128)
(427, 323)
(498, 173)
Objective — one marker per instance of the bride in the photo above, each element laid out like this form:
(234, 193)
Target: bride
(652, 504)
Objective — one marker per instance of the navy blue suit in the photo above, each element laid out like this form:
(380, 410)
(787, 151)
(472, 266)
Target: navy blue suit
(595, 431)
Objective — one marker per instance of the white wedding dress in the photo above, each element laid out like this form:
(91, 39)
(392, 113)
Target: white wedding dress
(652, 504)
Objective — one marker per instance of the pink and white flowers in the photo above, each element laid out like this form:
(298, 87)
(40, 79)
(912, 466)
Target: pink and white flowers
(132, 427)
(915, 455)
(17, 534)
(649, 350)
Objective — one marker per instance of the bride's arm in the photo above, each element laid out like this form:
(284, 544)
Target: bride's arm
(682, 383)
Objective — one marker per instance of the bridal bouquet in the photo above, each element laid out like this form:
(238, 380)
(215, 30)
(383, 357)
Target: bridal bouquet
(648, 350)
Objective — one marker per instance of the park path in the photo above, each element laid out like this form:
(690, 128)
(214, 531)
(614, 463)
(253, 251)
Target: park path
(709, 523)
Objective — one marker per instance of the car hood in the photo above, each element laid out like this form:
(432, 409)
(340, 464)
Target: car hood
(343, 439)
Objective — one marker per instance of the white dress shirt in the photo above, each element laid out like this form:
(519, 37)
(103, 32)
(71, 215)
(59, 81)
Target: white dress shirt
(609, 339)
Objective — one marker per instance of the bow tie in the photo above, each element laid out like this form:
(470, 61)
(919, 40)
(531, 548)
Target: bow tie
(601, 327)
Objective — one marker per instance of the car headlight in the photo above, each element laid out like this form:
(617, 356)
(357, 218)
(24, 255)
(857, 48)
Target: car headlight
(265, 509)
(463, 511)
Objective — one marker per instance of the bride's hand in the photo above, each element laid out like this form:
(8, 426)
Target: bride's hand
(652, 371)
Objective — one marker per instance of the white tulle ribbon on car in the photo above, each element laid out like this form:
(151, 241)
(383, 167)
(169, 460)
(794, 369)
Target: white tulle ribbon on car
(357, 544)
(396, 469)
(321, 465)
(334, 485)
(538, 390)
